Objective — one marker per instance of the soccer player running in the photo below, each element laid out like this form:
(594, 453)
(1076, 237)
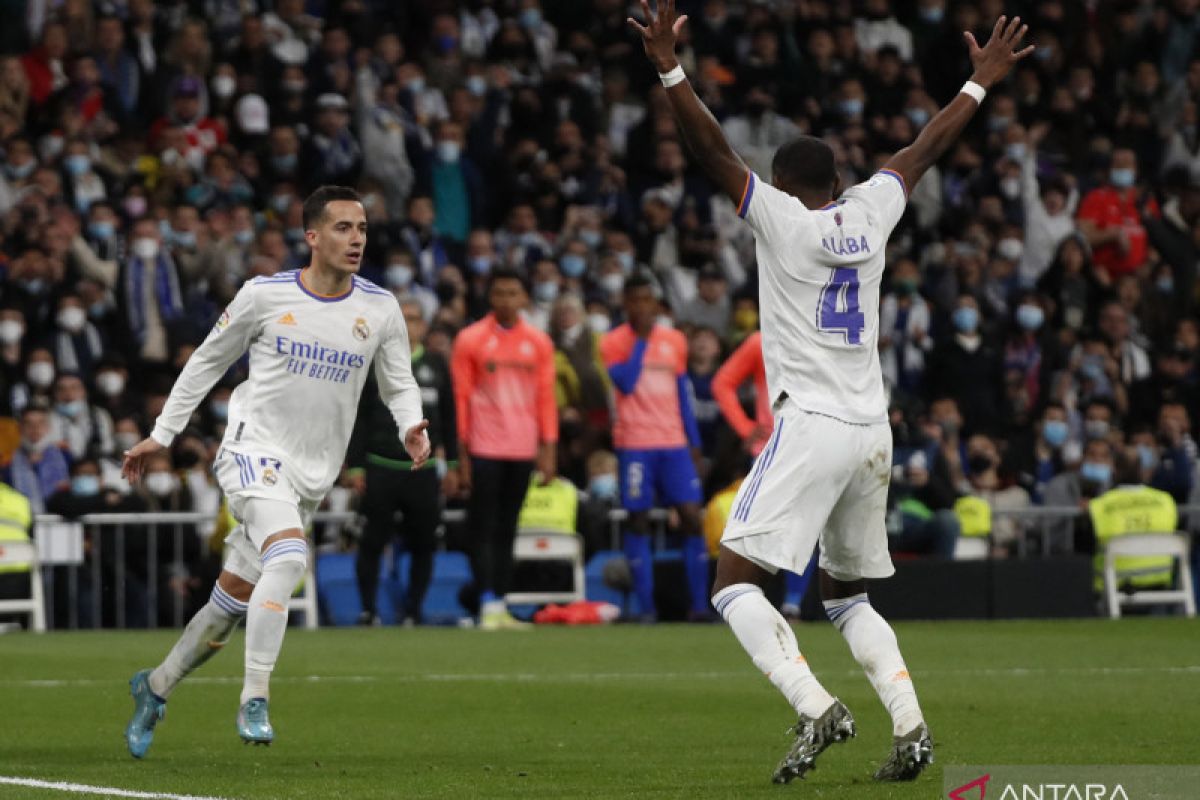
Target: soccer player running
(654, 427)
(311, 334)
(745, 364)
(503, 373)
(824, 474)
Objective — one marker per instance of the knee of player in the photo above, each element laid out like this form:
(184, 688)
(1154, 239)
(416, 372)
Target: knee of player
(288, 552)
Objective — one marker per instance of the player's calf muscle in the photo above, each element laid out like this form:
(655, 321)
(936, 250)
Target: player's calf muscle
(238, 588)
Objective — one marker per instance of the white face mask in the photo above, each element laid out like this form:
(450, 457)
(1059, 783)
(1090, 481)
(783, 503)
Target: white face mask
(11, 331)
(160, 483)
(110, 383)
(40, 374)
(224, 86)
(664, 322)
(125, 440)
(145, 248)
(599, 323)
(71, 319)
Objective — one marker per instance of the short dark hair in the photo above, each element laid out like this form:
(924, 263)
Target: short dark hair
(314, 204)
(805, 163)
(506, 274)
(640, 279)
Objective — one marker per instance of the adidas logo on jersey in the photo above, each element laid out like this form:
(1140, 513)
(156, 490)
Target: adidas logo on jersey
(287, 319)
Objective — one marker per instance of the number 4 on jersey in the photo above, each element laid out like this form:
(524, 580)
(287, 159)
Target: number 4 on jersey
(838, 310)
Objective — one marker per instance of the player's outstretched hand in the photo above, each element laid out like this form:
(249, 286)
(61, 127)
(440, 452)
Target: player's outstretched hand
(994, 60)
(135, 459)
(659, 33)
(416, 442)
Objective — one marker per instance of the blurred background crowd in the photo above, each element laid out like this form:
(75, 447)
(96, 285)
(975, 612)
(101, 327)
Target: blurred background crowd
(1038, 329)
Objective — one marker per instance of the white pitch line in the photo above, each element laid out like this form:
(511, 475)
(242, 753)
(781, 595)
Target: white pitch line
(107, 791)
(588, 677)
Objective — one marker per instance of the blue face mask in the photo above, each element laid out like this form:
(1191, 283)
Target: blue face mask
(626, 260)
(591, 238)
(284, 163)
(545, 291)
(918, 117)
(244, 236)
(399, 275)
(1016, 151)
(184, 239)
(85, 485)
(1030, 317)
(1147, 455)
(603, 486)
(477, 85)
(1095, 473)
(72, 409)
(1165, 285)
(851, 107)
(102, 229)
(966, 319)
(933, 15)
(1122, 178)
(480, 265)
(77, 164)
(1054, 431)
(573, 265)
(531, 17)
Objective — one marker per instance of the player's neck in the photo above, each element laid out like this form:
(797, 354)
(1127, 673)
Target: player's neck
(506, 321)
(324, 281)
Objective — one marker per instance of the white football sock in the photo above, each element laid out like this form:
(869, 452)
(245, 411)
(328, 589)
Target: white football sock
(769, 640)
(874, 645)
(284, 563)
(206, 633)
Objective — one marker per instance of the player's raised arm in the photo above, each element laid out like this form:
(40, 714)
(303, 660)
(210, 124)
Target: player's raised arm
(992, 63)
(700, 130)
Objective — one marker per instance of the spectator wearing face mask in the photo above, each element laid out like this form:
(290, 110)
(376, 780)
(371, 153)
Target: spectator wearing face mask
(711, 307)
(12, 333)
(600, 498)
(38, 379)
(39, 466)
(582, 381)
(1110, 218)
(967, 367)
(1035, 457)
(86, 430)
(1029, 353)
(421, 238)
(1074, 488)
(76, 341)
(987, 482)
(904, 325)
(455, 184)
(151, 294)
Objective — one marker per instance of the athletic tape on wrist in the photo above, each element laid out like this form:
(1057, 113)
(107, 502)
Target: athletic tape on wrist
(974, 90)
(673, 77)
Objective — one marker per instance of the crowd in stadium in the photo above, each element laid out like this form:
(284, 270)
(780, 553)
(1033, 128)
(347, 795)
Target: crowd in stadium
(1038, 328)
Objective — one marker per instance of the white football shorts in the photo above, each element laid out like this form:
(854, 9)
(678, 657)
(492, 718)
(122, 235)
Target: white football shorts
(818, 479)
(263, 502)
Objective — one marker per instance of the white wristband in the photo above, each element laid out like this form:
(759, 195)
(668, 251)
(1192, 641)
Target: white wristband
(974, 90)
(673, 77)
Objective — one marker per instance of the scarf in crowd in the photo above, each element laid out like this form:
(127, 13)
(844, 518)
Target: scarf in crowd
(166, 294)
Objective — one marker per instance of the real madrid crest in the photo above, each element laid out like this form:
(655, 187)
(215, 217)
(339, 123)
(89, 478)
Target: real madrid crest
(361, 330)
(269, 477)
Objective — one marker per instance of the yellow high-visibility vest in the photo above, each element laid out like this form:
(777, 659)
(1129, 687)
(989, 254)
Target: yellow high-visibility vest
(551, 507)
(1132, 510)
(15, 518)
(974, 515)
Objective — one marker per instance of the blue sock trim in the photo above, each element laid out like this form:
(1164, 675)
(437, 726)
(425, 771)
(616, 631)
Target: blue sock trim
(227, 602)
(285, 546)
(726, 596)
(837, 609)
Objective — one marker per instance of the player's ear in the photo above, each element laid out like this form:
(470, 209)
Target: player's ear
(310, 237)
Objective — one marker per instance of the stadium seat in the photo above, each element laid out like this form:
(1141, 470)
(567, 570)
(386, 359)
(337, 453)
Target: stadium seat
(541, 544)
(1148, 544)
(12, 553)
(451, 572)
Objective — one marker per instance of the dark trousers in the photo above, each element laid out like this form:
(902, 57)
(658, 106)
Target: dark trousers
(497, 492)
(416, 494)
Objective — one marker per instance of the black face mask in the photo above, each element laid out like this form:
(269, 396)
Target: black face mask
(979, 464)
(186, 459)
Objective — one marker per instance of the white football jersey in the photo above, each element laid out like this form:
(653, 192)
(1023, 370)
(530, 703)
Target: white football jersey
(308, 362)
(819, 275)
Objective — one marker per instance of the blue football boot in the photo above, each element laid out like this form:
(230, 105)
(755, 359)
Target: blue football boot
(253, 724)
(148, 711)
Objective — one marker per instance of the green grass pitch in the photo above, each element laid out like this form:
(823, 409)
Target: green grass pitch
(637, 712)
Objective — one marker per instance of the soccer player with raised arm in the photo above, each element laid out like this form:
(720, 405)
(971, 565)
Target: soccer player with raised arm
(824, 474)
(311, 334)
